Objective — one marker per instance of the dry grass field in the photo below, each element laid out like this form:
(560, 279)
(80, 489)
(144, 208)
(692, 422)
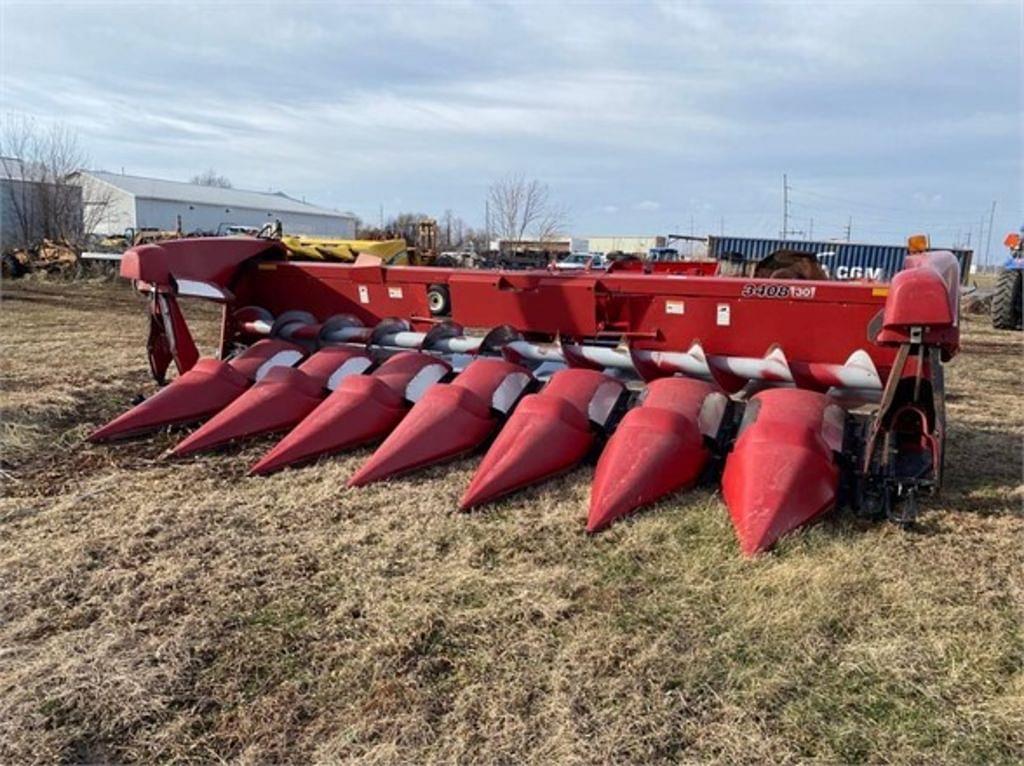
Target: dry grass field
(180, 611)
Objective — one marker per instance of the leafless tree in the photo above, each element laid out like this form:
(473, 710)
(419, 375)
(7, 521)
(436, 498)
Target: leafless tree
(476, 240)
(211, 177)
(406, 225)
(452, 231)
(38, 166)
(521, 208)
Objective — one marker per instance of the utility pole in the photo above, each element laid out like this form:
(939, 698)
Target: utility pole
(849, 228)
(991, 223)
(487, 222)
(810, 230)
(786, 231)
(785, 207)
(981, 233)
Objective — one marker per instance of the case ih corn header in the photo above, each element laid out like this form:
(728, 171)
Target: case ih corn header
(800, 395)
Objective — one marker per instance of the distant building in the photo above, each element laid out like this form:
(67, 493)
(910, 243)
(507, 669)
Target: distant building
(32, 208)
(638, 245)
(120, 201)
(555, 244)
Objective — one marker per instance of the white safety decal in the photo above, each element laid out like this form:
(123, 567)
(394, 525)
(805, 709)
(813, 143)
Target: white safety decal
(395, 292)
(722, 315)
(675, 307)
(364, 294)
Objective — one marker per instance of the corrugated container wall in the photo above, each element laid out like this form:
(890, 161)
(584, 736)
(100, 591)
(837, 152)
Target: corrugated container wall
(842, 260)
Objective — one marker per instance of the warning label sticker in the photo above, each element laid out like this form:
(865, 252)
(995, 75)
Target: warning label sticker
(364, 294)
(675, 307)
(395, 292)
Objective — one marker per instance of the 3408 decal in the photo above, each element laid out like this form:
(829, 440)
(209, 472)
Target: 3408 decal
(762, 290)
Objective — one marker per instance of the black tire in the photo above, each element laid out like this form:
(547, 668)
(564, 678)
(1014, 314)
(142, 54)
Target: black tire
(439, 300)
(1006, 301)
(12, 268)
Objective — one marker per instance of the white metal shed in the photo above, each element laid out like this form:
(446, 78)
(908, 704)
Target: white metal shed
(122, 201)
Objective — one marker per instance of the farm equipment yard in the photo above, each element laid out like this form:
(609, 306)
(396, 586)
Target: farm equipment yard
(183, 610)
(511, 384)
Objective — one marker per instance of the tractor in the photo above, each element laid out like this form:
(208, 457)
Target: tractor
(1007, 299)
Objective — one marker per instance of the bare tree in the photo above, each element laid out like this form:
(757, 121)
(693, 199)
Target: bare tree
(38, 167)
(452, 231)
(476, 240)
(406, 225)
(211, 177)
(519, 208)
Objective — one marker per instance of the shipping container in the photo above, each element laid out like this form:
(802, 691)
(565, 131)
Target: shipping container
(842, 260)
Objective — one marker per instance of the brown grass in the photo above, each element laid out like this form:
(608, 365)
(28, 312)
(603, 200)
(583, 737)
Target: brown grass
(158, 611)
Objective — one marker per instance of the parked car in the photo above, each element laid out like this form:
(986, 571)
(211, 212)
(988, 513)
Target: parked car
(577, 261)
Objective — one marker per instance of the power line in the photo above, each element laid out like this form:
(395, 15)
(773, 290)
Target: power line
(876, 206)
(886, 219)
(938, 221)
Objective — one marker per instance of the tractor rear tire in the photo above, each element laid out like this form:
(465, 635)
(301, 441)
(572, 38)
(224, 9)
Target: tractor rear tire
(439, 300)
(1007, 299)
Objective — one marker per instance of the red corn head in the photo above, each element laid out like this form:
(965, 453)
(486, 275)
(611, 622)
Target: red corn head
(277, 402)
(548, 433)
(362, 409)
(782, 473)
(658, 448)
(448, 421)
(202, 391)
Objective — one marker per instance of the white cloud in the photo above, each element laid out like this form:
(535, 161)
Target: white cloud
(700, 106)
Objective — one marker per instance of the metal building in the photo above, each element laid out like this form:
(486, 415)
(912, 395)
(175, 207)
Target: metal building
(624, 244)
(33, 206)
(121, 201)
(842, 260)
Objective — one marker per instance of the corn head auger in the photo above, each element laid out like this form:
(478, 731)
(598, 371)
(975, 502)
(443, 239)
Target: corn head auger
(800, 395)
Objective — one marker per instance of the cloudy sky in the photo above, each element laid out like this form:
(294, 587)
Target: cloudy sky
(642, 118)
